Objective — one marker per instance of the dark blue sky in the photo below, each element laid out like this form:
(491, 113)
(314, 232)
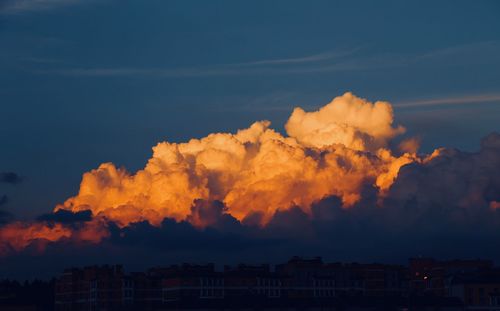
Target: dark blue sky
(86, 82)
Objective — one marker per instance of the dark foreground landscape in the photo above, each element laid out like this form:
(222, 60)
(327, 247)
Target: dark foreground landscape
(299, 284)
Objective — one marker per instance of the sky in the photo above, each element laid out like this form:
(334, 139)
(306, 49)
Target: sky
(88, 82)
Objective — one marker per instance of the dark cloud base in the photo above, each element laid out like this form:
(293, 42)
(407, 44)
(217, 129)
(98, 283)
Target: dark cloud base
(66, 217)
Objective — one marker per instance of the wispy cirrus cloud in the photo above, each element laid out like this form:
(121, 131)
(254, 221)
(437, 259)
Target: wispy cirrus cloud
(23, 6)
(323, 62)
(143, 72)
(301, 60)
(452, 100)
(281, 102)
(342, 60)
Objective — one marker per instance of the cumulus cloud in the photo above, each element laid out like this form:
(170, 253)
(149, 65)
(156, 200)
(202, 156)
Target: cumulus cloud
(452, 178)
(333, 151)
(331, 185)
(348, 120)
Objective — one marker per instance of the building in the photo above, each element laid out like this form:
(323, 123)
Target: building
(306, 278)
(245, 281)
(94, 288)
(192, 282)
(478, 290)
(428, 275)
(298, 283)
(379, 280)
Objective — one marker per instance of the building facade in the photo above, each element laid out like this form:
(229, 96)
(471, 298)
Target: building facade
(472, 284)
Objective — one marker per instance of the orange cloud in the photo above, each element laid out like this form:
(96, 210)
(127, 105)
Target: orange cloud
(348, 120)
(494, 205)
(333, 151)
(18, 235)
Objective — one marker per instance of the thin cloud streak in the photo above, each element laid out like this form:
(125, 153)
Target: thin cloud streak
(298, 60)
(458, 100)
(247, 68)
(301, 60)
(225, 70)
(431, 102)
(142, 72)
(483, 46)
(41, 60)
(328, 62)
(21, 6)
